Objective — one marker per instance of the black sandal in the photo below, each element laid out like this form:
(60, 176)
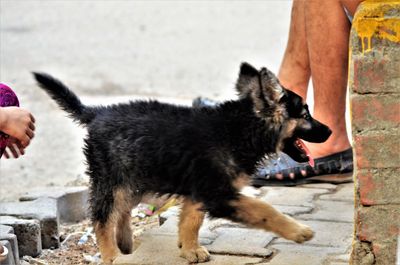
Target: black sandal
(336, 168)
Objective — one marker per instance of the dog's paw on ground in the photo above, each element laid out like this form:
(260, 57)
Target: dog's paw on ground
(300, 233)
(297, 232)
(195, 255)
(304, 234)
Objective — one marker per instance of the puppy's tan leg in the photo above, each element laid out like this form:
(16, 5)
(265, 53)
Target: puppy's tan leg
(124, 201)
(124, 233)
(105, 237)
(191, 219)
(116, 234)
(258, 214)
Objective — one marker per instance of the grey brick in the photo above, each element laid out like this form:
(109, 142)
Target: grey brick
(10, 256)
(241, 241)
(7, 233)
(72, 202)
(340, 211)
(42, 209)
(28, 234)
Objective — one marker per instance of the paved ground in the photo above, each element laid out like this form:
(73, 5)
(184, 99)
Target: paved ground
(327, 208)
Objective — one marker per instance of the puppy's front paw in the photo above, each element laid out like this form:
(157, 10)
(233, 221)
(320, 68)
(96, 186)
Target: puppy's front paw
(195, 255)
(295, 231)
(304, 233)
(298, 233)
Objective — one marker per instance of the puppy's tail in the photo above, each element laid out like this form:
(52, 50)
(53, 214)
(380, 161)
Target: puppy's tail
(67, 100)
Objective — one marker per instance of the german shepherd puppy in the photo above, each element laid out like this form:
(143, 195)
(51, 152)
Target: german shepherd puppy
(205, 155)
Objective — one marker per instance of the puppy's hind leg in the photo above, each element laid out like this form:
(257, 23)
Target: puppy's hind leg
(190, 221)
(124, 202)
(124, 233)
(111, 215)
(105, 238)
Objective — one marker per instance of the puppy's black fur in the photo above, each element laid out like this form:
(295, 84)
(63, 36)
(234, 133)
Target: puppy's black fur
(148, 146)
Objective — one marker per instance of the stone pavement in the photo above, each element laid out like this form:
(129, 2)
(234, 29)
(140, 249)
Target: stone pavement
(327, 208)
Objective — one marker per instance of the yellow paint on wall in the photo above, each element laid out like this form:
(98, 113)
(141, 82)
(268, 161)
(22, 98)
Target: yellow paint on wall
(370, 21)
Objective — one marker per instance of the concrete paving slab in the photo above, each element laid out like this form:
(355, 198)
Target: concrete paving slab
(241, 241)
(294, 196)
(42, 209)
(339, 211)
(327, 234)
(293, 210)
(72, 202)
(162, 250)
(345, 192)
(301, 255)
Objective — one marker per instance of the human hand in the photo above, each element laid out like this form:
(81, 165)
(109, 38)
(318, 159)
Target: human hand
(18, 123)
(14, 148)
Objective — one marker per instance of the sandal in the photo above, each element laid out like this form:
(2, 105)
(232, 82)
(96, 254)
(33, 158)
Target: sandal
(201, 102)
(335, 169)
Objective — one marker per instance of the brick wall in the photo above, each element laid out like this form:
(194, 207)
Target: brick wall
(375, 112)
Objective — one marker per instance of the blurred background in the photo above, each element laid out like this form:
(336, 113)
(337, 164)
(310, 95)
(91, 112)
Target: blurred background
(111, 51)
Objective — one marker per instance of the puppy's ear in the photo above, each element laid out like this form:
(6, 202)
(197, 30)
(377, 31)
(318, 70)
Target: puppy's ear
(266, 98)
(270, 85)
(248, 80)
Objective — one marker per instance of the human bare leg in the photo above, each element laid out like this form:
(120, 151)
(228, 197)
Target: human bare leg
(327, 31)
(294, 72)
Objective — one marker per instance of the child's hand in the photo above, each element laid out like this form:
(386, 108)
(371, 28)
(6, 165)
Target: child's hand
(17, 123)
(14, 147)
